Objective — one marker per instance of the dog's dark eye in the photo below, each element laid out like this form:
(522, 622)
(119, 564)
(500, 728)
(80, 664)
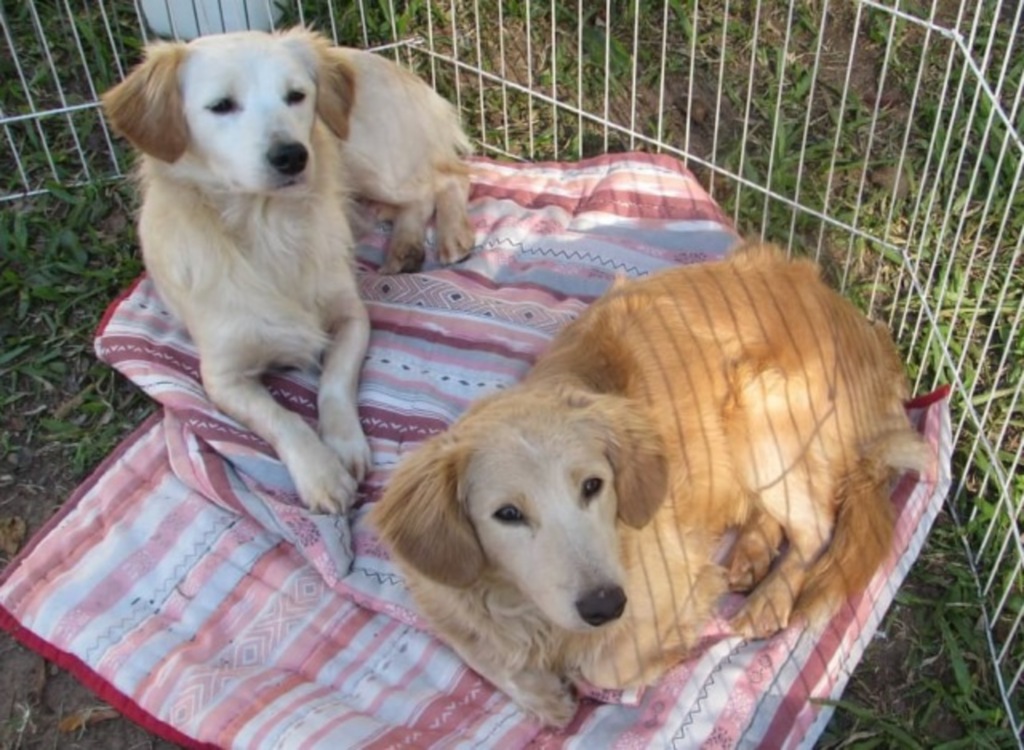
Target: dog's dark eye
(295, 97)
(591, 486)
(509, 514)
(223, 106)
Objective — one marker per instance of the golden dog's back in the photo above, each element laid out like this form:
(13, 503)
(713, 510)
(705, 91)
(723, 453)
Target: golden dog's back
(766, 385)
(692, 340)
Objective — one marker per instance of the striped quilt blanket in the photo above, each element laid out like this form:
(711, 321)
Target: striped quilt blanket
(184, 583)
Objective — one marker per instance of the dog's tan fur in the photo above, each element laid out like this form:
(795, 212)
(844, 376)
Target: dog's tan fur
(258, 263)
(744, 394)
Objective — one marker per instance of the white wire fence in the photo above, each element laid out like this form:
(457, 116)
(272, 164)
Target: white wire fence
(882, 136)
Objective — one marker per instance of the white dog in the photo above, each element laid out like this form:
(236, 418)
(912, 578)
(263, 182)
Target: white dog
(250, 145)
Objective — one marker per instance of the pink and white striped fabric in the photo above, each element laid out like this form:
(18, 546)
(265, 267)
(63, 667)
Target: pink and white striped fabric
(183, 582)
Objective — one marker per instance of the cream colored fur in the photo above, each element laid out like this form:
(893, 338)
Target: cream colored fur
(250, 146)
(742, 394)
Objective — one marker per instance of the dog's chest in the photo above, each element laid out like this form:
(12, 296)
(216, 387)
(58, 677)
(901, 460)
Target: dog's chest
(276, 286)
(304, 258)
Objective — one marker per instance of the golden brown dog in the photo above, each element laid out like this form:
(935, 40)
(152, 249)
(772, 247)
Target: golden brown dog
(567, 528)
(250, 147)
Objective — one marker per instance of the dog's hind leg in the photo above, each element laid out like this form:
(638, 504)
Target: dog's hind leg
(780, 457)
(803, 511)
(405, 251)
(756, 546)
(455, 235)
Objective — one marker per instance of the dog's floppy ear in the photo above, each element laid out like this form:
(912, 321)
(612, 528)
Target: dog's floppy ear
(335, 78)
(146, 107)
(335, 91)
(636, 451)
(423, 520)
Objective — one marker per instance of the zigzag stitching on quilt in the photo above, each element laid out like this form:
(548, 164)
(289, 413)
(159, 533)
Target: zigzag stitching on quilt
(145, 352)
(379, 577)
(520, 246)
(703, 693)
(495, 242)
(396, 426)
(451, 708)
(585, 256)
(202, 423)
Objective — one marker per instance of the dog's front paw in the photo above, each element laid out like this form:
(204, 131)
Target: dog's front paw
(324, 483)
(353, 450)
(555, 710)
(751, 559)
(767, 609)
(545, 696)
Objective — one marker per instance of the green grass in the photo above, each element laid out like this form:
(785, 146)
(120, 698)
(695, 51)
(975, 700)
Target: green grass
(65, 149)
(786, 121)
(63, 259)
(929, 683)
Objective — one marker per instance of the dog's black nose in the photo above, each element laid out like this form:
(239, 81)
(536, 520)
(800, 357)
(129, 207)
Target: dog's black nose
(288, 158)
(602, 605)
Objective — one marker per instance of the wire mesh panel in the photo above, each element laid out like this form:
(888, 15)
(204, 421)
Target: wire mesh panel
(881, 136)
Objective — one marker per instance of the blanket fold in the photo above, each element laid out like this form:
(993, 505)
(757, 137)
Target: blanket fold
(185, 582)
